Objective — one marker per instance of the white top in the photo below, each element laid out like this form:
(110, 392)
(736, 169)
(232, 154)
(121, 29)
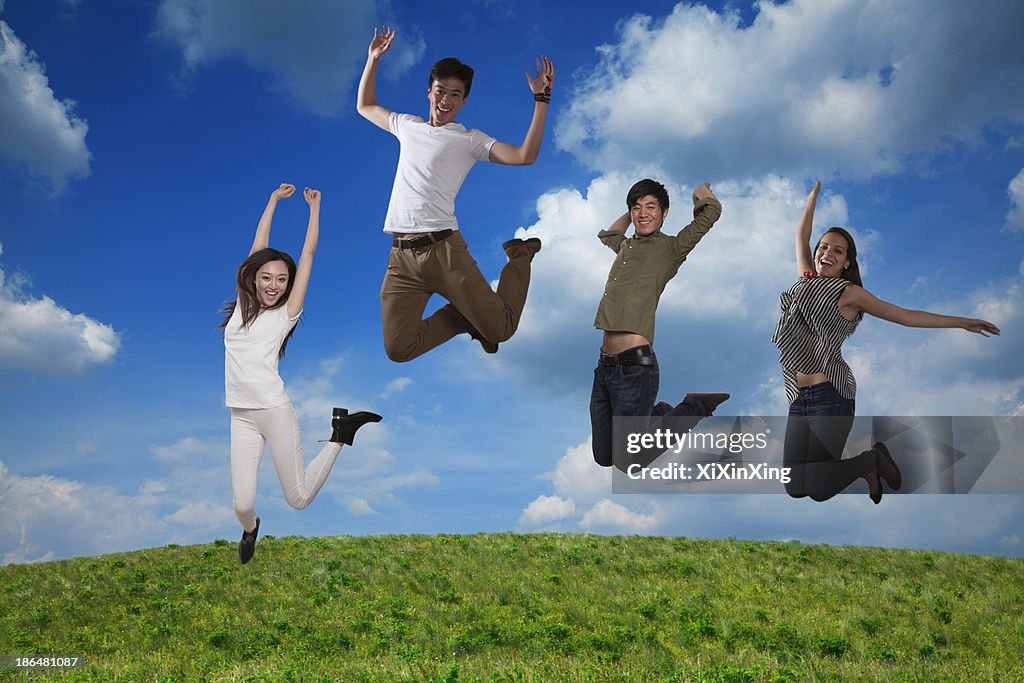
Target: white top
(250, 358)
(432, 164)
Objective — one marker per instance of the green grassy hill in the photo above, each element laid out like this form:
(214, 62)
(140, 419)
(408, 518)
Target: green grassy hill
(507, 607)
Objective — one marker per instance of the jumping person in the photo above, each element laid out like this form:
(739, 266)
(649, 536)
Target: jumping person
(257, 326)
(428, 253)
(626, 377)
(819, 312)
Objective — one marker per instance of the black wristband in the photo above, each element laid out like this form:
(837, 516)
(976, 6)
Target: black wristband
(542, 97)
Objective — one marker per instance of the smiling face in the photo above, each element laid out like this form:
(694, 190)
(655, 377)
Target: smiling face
(447, 96)
(647, 215)
(271, 283)
(831, 255)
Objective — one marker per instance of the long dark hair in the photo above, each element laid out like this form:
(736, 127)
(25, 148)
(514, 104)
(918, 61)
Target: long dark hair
(245, 288)
(851, 273)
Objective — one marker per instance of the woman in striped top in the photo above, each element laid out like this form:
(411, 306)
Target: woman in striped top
(819, 312)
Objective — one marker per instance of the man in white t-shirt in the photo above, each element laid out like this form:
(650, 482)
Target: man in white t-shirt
(428, 253)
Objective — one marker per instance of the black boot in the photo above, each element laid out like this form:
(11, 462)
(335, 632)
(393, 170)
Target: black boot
(887, 467)
(874, 486)
(345, 425)
(247, 546)
(661, 408)
(706, 401)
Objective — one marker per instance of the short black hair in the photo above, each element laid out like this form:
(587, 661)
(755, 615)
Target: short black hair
(644, 188)
(451, 67)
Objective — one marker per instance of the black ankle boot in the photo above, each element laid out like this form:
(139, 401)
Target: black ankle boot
(707, 401)
(887, 467)
(247, 546)
(345, 425)
(661, 408)
(874, 487)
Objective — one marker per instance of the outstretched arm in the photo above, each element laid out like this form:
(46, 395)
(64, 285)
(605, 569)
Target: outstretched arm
(305, 264)
(526, 153)
(856, 299)
(804, 258)
(262, 239)
(366, 99)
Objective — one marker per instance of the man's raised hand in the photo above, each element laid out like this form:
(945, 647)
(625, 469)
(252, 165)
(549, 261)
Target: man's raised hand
(703, 190)
(541, 85)
(381, 41)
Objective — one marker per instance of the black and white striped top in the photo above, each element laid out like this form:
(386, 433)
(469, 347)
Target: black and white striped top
(811, 332)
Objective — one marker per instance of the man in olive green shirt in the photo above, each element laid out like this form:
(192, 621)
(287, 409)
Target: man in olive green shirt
(626, 377)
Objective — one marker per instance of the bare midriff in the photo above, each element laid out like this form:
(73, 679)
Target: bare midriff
(805, 380)
(617, 342)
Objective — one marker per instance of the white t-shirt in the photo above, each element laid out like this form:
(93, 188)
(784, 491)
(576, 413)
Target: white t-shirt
(433, 162)
(250, 358)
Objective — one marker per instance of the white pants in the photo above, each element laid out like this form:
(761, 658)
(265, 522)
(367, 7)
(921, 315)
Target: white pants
(251, 428)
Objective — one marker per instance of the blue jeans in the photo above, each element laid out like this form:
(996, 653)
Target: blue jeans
(819, 423)
(626, 391)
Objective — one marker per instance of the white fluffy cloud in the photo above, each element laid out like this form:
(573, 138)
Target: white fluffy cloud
(1015, 217)
(47, 517)
(727, 290)
(611, 517)
(906, 371)
(546, 509)
(37, 130)
(903, 521)
(39, 335)
(860, 88)
(395, 386)
(310, 48)
(186, 499)
(366, 476)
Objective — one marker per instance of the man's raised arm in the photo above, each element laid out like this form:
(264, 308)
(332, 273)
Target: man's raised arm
(366, 99)
(526, 153)
(706, 210)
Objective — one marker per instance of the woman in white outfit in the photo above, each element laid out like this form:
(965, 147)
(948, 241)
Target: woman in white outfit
(257, 327)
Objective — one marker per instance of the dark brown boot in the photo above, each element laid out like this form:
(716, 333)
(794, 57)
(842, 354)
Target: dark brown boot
(517, 247)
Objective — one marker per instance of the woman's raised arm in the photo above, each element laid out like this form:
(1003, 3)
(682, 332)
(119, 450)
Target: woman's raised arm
(804, 259)
(305, 265)
(262, 239)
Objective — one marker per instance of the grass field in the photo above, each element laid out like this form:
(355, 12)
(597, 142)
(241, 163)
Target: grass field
(504, 607)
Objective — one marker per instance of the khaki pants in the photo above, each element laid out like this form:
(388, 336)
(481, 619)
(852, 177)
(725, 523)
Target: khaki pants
(446, 268)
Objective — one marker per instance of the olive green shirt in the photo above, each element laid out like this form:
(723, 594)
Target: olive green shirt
(642, 268)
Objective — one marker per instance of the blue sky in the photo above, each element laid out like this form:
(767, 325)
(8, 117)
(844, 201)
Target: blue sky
(140, 141)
